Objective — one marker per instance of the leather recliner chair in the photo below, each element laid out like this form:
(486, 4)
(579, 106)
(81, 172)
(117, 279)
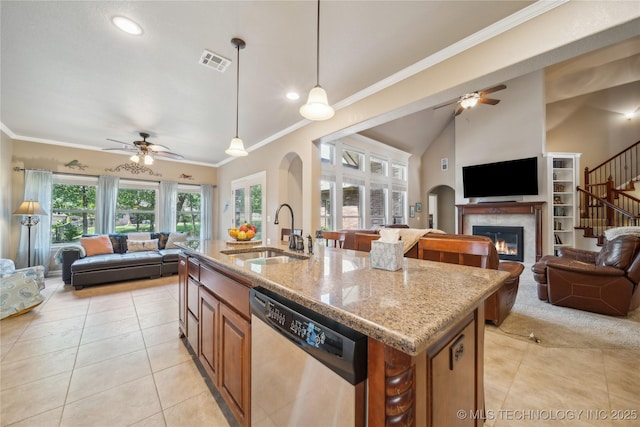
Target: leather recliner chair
(603, 282)
(498, 305)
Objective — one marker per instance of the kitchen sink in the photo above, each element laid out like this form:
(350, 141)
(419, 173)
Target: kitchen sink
(279, 259)
(264, 256)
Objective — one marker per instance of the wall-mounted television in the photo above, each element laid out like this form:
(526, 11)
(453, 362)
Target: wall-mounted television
(510, 178)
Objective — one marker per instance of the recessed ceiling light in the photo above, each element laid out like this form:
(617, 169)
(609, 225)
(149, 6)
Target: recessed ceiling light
(127, 25)
(629, 115)
(293, 96)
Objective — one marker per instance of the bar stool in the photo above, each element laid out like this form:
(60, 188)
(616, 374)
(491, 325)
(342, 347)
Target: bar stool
(335, 237)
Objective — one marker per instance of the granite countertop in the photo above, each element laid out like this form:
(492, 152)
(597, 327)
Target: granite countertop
(407, 309)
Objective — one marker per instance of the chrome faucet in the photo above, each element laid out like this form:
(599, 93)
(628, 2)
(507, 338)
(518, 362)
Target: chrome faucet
(292, 239)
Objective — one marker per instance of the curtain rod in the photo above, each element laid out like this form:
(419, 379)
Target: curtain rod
(19, 169)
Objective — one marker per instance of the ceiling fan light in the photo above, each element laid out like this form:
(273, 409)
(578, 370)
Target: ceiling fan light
(236, 148)
(148, 160)
(135, 158)
(469, 102)
(317, 106)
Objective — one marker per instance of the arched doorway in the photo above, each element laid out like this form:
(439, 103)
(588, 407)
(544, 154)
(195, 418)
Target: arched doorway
(290, 188)
(441, 208)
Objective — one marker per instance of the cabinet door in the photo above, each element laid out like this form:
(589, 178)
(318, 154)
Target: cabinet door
(209, 342)
(182, 295)
(235, 363)
(453, 386)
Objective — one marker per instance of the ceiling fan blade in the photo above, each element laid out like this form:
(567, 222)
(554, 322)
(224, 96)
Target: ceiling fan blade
(492, 89)
(168, 155)
(488, 101)
(130, 150)
(156, 147)
(119, 142)
(459, 110)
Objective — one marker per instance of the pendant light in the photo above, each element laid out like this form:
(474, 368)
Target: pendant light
(236, 147)
(317, 106)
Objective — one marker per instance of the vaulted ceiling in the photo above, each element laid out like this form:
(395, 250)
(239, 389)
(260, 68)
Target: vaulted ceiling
(70, 77)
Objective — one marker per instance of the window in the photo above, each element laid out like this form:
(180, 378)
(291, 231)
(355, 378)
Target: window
(352, 205)
(354, 195)
(136, 209)
(399, 171)
(327, 194)
(398, 206)
(352, 159)
(73, 202)
(326, 153)
(248, 201)
(188, 210)
(378, 204)
(73, 208)
(378, 166)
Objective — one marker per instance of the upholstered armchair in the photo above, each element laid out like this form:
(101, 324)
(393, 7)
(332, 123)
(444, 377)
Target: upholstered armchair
(8, 268)
(603, 282)
(476, 251)
(19, 289)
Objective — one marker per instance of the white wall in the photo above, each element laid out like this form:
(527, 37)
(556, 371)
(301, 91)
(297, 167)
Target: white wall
(6, 153)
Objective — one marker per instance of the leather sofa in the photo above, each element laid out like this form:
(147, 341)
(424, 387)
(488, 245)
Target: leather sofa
(119, 265)
(498, 305)
(603, 282)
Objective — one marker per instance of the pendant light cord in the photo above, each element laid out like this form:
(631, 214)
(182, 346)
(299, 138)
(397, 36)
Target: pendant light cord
(318, 47)
(237, 88)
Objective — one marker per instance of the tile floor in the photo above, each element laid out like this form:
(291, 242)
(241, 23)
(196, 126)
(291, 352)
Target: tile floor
(110, 356)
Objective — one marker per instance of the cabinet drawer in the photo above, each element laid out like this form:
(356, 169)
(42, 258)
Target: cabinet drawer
(233, 293)
(194, 269)
(192, 297)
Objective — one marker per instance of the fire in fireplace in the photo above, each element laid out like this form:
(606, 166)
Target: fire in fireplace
(508, 240)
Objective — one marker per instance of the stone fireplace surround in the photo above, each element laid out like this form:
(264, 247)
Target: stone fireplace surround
(525, 214)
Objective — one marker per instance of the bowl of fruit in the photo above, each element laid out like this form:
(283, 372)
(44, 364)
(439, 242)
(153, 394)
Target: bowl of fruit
(244, 233)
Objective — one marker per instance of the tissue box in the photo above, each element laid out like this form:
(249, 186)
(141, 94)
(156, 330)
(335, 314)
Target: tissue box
(387, 256)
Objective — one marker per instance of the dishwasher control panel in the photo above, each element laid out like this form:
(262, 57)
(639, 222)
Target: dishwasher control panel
(338, 347)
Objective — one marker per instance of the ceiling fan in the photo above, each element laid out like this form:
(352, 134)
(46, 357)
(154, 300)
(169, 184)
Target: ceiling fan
(144, 151)
(469, 100)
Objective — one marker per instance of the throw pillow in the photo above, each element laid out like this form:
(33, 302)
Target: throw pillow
(139, 236)
(175, 238)
(142, 245)
(96, 245)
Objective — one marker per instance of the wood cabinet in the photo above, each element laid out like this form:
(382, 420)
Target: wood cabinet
(452, 367)
(431, 388)
(182, 295)
(218, 310)
(235, 362)
(209, 343)
(564, 210)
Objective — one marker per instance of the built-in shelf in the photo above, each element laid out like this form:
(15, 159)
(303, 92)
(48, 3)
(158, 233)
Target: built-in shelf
(562, 169)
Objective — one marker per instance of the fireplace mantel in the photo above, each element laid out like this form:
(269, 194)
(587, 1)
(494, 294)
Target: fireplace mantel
(505, 208)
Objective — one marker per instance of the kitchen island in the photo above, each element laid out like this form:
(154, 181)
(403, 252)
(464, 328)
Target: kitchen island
(424, 323)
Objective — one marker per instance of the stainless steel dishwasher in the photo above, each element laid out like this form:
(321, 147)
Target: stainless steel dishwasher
(306, 369)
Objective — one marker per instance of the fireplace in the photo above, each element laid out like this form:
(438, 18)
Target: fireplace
(508, 240)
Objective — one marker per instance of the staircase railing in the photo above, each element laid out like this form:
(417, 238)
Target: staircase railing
(605, 212)
(623, 168)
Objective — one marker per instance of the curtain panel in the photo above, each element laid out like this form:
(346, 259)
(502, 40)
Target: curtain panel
(206, 209)
(106, 204)
(168, 201)
(37, 186)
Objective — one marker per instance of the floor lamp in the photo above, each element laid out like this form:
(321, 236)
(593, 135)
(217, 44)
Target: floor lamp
(30, 210)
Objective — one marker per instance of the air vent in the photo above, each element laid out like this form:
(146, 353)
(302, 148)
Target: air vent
(215, 61)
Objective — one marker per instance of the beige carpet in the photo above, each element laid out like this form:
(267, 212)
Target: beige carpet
(565, 327)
